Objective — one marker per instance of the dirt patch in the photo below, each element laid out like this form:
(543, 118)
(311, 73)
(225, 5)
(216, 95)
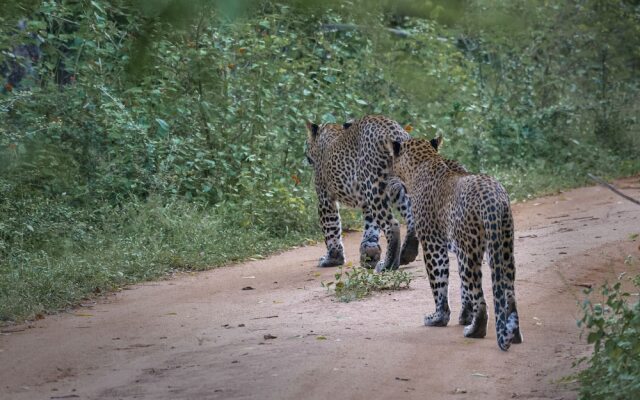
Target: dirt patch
(201, 336)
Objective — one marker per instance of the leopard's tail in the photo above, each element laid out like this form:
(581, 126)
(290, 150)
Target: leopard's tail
(499, 234)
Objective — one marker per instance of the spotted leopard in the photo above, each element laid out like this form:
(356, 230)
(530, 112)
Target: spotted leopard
(351, 165)
(469, 214)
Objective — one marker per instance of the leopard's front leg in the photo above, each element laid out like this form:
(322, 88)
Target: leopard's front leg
(331, 226)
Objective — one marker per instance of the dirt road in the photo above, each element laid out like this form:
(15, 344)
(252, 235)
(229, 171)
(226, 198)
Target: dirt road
(200, 336)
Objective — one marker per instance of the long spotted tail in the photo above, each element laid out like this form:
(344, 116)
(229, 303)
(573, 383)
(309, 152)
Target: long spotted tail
(501, 260)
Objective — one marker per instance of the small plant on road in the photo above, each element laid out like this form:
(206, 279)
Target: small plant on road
(355, 283)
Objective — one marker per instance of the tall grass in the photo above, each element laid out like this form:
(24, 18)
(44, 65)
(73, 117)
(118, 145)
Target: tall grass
(138, 241)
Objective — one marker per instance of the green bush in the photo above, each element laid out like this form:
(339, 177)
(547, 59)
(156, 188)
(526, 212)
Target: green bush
(613, 327)
(143, 108)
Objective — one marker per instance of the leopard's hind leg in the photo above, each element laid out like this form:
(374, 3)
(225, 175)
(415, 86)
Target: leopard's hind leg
(503, 275)
(331, 225)
(436, 260)
(474, 307)
(370, 250)
(377, 200)
(402, 202)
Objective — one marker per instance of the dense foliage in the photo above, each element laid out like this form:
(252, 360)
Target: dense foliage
(613, 327)
(141, 136)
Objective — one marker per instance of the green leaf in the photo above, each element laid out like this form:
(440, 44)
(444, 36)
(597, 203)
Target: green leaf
(163, 127)
(96, 5)
(329, 118)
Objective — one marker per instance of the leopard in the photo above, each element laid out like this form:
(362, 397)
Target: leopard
(351, 168)
(470, 215)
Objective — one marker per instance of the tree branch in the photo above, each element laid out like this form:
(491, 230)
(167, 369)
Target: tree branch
(613, 188)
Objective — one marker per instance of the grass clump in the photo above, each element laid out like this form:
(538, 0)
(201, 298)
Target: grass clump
(613, 327)
(358, 282)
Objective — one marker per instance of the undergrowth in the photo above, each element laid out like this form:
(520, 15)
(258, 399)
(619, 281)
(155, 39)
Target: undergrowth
(612, 325)
(55, 267)
(135, 140)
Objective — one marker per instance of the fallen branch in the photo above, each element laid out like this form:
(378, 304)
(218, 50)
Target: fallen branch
(613, 189)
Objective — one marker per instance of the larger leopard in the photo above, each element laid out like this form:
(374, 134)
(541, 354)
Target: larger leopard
(351, 165)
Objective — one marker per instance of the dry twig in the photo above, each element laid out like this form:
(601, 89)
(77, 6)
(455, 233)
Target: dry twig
(613, 189)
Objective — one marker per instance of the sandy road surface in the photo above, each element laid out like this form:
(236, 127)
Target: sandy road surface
(201, 336)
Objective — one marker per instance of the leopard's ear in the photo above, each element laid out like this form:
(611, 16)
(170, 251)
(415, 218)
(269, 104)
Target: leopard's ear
(394, 148)
(312, 129)
(436, 142)
(397, 146)
(346, 125)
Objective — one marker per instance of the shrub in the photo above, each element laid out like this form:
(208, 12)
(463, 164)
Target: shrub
(613, 327)
(358, 282)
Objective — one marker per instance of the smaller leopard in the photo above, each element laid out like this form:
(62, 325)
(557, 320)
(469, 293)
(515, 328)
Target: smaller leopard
(469, 214)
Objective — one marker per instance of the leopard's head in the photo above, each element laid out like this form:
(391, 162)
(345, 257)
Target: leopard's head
(407, 155)
(317, 137)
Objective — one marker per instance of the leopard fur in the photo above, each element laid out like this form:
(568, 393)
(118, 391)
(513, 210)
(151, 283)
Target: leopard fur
(469, 214)
(351, 165)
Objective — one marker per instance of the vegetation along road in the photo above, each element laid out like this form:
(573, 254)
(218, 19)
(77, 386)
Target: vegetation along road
(268, 329)
(145, 139)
